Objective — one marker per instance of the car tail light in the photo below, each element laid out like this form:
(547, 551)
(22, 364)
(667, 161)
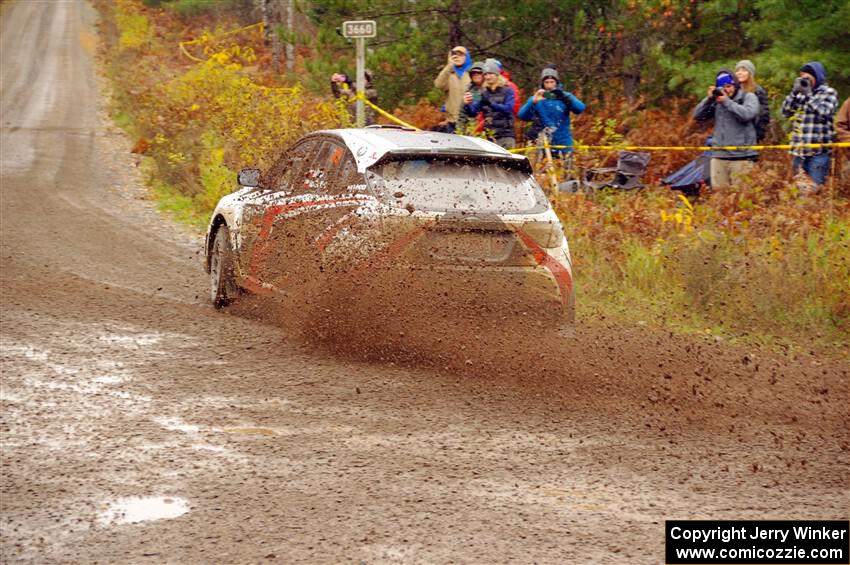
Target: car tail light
(546, 234)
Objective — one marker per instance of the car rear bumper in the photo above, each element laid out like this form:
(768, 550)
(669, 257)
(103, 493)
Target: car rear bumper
(530, 293)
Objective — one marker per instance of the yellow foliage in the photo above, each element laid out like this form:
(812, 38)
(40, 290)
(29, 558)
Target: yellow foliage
(134, 28)
(252, 123)
(216, 178)
(682, 218)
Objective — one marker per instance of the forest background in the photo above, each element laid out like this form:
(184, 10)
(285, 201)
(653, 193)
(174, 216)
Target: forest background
(205, 91)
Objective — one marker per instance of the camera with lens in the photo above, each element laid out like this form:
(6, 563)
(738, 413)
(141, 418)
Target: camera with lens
(802, 85)
(717, 92)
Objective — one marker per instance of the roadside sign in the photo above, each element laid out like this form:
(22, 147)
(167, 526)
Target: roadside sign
(359, 28)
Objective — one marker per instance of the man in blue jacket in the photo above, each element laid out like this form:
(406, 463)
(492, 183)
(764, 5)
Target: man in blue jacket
(812, 105)
(551, 106)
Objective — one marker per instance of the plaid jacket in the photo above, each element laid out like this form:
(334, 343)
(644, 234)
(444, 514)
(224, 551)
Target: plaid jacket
(811, 118)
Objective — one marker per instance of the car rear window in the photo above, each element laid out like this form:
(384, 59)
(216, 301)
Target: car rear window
(457, 184)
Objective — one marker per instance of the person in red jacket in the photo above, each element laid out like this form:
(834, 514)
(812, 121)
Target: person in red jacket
(507, 76)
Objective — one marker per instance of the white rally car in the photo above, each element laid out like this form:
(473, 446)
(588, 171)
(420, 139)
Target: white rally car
(453, 218)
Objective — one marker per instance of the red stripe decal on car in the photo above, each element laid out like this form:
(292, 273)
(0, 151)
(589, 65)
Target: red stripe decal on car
(561, 274)
(262, 247)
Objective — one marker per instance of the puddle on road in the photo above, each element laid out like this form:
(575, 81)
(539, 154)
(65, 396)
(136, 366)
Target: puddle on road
(132, 341)
(250, 431)
(213, 448)
(177, 425)
(110, 380)
(142, 509)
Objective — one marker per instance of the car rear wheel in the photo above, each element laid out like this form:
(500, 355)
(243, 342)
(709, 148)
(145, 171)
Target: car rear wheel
(222, 283)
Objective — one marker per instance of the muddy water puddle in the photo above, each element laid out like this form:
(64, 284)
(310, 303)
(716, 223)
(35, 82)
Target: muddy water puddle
(133, 510)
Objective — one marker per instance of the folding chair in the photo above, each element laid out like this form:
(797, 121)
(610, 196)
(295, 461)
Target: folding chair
(631, 166)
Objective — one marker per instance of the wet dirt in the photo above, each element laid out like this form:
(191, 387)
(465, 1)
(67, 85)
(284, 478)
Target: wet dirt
(120, 384)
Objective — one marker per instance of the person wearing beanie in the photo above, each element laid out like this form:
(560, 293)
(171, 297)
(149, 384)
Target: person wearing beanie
(745, 72)
(507, 76)
(496, 104)
(551, 107)
(734, 111)
(453, 80)
(466, 124)
(811, 106)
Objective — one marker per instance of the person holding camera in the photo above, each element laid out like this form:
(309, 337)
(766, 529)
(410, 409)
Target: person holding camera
(496, 103)
(811, 105)
(551, 107)
(466, 124)
(734, 111)
(453, 80)
(342, 87)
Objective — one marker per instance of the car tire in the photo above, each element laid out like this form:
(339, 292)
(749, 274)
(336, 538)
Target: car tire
(223, 288)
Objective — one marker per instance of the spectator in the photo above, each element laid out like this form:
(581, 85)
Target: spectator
(343, 88)
(453, 80)
(507, 76)
(745, 72)
(341, 85)
(842, 133)
(497, 102)
(842, 122)
(536, 126)
(811, 105)
(467, 125)
(734, 111)
(552, 107)
(372, 96)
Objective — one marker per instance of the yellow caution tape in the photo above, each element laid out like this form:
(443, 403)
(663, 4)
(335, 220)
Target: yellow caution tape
(183, 44)
(683, 148)
(384, 113)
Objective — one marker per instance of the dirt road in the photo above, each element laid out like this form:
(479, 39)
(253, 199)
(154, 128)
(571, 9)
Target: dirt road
(141, 426)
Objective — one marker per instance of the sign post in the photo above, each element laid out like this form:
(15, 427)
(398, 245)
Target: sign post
(359, 31)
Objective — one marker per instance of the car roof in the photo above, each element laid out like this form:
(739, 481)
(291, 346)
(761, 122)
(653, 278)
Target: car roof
(371, 144)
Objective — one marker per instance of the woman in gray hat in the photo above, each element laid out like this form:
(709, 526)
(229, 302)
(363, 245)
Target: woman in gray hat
(496, 103)
(745, 72)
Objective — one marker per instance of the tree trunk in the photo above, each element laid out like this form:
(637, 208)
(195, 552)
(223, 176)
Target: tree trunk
(455, 28)
(290, 28)
(271, 21)
(632, 57)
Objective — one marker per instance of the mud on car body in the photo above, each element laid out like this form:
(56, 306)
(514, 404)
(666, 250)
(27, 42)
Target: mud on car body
(450, 216)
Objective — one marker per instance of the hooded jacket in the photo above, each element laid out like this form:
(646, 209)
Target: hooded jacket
(734, 121)
(812, 114)
(454, 82)
(554, 113)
